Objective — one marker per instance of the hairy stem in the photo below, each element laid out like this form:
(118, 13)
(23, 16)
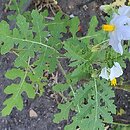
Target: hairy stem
(64, 74)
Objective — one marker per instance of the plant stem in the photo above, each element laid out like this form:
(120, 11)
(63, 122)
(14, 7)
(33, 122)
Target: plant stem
(96, 102)
(64, 74)
(87, 37)
(115, 123)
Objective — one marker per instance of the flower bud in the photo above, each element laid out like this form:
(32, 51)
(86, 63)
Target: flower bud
(106, 8)
(96, 48)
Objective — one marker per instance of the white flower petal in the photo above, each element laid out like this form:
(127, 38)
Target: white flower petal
(124, 10)
(104, 73)
(115, 71)
(115, 17)
(115, 43)
(123, 21)
(125, 32)
(120, 20)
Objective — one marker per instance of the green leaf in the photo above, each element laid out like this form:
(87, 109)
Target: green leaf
(18, 6)
(38, 25)
(38, 43)
(60, 87)
(93, 104)
(63, 115)
(16, 90)
(57, 26)
(5, 34)
(92, 25)
(97, 36)
(79, 55)
(74, 23)
(14, 73)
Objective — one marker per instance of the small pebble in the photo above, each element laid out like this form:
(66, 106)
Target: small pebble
(126, 95)
(32, 113)
(71, 7)
(123, 103)
(71, 16)
(85, 7)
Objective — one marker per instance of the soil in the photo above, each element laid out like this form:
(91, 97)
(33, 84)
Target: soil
(46, 105)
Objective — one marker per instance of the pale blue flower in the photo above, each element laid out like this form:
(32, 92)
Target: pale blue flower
(111, 73)
(124, 10)
(119, 28)
(104, 73)
(116, 71)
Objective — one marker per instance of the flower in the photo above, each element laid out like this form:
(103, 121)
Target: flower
(124, 10)
(112, 73)
(119, 28)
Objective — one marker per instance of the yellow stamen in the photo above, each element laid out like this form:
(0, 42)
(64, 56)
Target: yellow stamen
(114, 82)
(108, 28)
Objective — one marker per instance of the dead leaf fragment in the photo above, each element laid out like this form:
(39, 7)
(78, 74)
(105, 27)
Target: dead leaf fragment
(121, 112)
(119, 3)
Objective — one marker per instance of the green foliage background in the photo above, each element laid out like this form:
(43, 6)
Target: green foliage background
(93, 101)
